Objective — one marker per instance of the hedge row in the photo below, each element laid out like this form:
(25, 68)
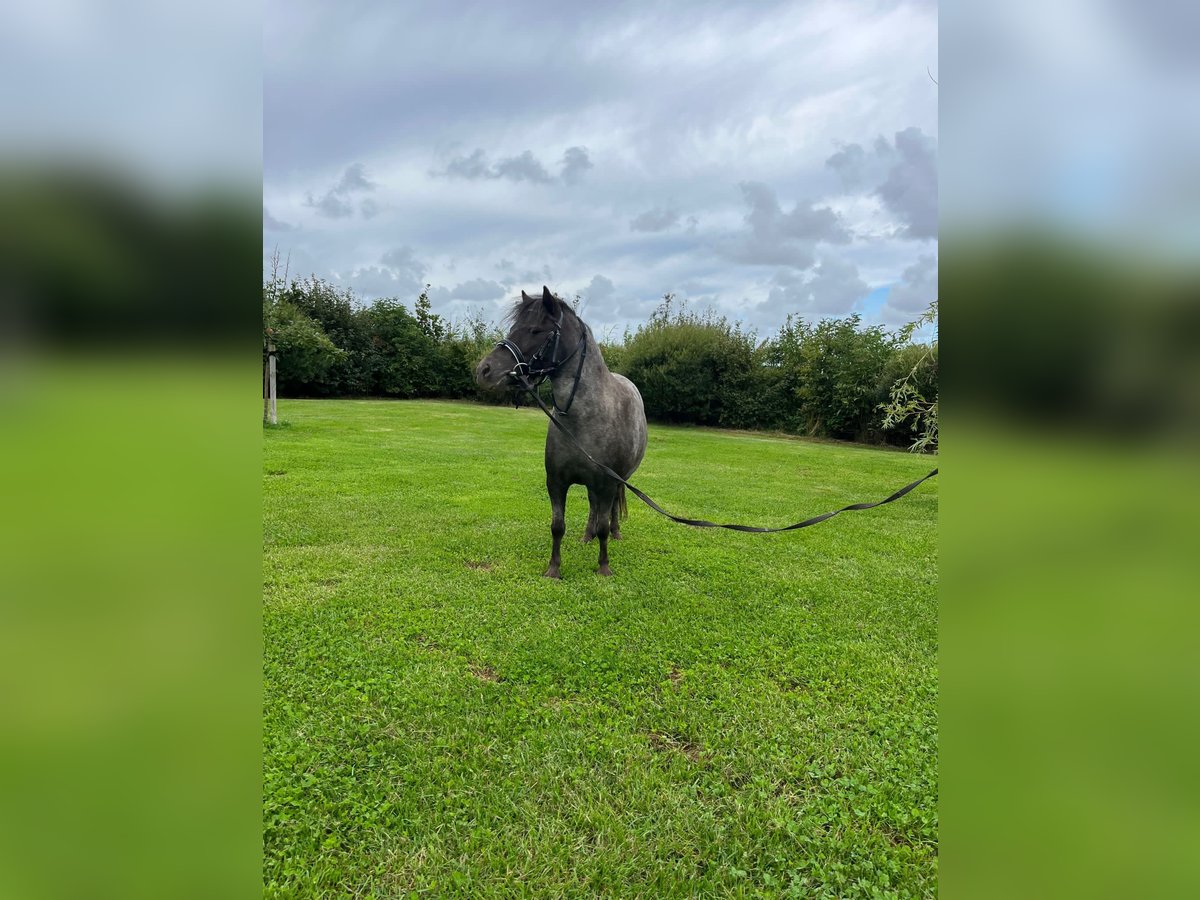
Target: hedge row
(826, 378)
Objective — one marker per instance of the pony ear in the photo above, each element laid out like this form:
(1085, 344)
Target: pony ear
(549, 300)
(525, 296)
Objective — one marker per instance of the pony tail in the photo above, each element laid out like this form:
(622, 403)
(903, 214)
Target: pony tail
(622, 509)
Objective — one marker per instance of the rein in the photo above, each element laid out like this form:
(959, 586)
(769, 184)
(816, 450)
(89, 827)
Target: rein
(526, 385)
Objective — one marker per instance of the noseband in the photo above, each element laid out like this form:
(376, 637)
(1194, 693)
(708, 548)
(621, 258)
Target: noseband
(544, 364)
(526, 368)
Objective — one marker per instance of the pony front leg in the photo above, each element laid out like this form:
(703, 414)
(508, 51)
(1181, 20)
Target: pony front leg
(558, 523)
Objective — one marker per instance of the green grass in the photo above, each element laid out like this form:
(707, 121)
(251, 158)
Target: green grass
(729, 715)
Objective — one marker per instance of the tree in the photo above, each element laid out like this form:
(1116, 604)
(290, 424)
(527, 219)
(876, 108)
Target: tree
(690, 367)
(833, 372)
(909, 398)
(304, 352)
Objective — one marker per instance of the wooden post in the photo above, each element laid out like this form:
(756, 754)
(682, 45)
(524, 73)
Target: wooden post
(269, 411)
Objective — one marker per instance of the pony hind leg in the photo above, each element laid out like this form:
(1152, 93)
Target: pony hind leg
(614, 520)
(618, 511)
(601, 504)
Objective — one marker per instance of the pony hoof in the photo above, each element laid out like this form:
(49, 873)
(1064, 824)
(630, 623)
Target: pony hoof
(615, 536)
(586, 539)
(552, 572)
(605, 571)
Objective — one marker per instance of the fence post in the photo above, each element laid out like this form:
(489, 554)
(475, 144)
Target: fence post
(269, 411)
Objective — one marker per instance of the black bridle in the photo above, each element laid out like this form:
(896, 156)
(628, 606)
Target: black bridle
(530, 374)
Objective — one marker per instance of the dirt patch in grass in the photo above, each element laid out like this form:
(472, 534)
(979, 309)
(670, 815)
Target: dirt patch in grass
(485, 673)
(792, 683)
(425, 643)
(675, 676)
(666, 742)
(480, 565)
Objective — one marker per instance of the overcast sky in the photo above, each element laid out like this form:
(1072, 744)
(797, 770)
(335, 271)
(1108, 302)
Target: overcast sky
(760, 158)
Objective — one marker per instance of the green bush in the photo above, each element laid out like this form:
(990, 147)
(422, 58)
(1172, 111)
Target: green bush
(691, 367)
(835, 371)
(304, 353)
(828, 379)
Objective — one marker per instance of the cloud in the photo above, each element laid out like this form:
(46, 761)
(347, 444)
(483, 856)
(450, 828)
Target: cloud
(902, 173)
(857, 167)
(402, 261)
(522, 167)
(832, 288)
(331, 206)
(636, 121)
(575, 162)
(270, 223)
(400, 274)
(848, 162)
(336, 202)
(354, 179)
(536, 277)
(599, 289)
(477, 290)
(656, 219)
(473, 166)
(911, 188)
(779, 238)
(918, 286)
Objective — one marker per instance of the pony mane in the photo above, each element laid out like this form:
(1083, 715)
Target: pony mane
(514, 312)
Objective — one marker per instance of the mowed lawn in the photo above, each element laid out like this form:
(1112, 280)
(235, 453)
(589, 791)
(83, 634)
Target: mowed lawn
(729, 715)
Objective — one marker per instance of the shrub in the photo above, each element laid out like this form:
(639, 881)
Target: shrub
(305, 354)
(835, 372)
(690, 367)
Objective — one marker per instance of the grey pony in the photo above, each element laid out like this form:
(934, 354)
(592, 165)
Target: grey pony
(606, 415)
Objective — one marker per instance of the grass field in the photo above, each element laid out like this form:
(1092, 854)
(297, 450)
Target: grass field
(729, 715)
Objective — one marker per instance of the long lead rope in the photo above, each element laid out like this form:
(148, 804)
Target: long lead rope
(701, 523)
